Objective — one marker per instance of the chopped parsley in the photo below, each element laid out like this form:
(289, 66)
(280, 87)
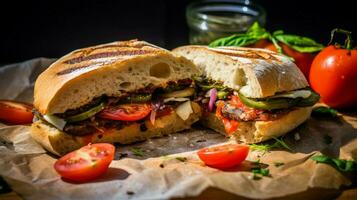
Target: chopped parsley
(279, 143)
(182, 159)
(137, 151)
(278, 164)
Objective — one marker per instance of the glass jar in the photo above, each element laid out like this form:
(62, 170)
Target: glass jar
(212, 19)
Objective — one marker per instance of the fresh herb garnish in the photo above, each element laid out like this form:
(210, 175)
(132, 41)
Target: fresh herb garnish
(253, 35)
(256, 33)
(258, 173)
(323, 111)
(279, 143)
(182, 159)
(340, 164)
(137, 151)
(278, 164)
(327, 139)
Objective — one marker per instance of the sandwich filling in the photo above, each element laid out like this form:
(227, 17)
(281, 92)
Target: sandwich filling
(107, 112)
(232, 107)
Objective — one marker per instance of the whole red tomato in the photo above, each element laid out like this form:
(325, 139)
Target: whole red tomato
(302, 60)
(334, 76)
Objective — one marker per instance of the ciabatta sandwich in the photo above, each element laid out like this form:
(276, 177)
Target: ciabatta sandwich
(254, 94)
(120, 92)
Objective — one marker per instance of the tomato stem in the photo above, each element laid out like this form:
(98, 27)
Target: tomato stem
(348, 41)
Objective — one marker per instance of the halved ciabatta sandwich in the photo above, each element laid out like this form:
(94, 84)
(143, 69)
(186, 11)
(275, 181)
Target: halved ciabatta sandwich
(120, 92)
(254, 94)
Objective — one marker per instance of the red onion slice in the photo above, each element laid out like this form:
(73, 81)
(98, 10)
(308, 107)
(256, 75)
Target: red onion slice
(152, 117)
(212, 98)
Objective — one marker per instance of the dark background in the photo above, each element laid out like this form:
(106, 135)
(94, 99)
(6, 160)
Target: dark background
(53, 28)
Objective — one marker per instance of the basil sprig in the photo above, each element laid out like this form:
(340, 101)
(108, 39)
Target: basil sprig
(253, 35)
(256, 33)
(340, 164)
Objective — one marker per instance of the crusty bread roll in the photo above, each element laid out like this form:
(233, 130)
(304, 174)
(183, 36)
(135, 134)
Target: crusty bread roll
(78, 77)
(256, 73)
(108, 70)
(258, 131)
(61, 143)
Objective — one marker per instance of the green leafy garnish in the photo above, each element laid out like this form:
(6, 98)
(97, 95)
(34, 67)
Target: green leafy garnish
(279, 143)
(256, 33)
(327, 139)
(339, 164)
(324, 111)
(182, 159)
(298, 43)
(253, 35)
(259, 172)
(137, 151)
(278, 164)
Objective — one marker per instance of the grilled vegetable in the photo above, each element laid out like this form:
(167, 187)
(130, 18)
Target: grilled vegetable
(279, 103)
(87, 114)
(137, 98)
(180, 93)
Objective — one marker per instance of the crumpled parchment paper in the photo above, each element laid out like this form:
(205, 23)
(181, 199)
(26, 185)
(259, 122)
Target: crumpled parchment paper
(158, 174)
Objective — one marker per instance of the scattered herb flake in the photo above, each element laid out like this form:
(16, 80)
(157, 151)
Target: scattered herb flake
(339, 164)
(323, 111)
(282, 143)
(278, 164)
(327, 139)
(279, 143)
(137, 151)
(259, 172)
(182, 159)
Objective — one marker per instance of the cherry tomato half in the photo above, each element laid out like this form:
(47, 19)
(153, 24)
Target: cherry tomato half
(86, 163)
(13, 112)
(224, 156)
(126, 112)
(334, 76)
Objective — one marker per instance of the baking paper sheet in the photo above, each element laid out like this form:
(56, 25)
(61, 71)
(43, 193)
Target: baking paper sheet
(157, 174)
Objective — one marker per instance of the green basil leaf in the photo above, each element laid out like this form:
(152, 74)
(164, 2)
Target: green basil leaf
(324, 111)
(253, 35)
(339, 164)
(299, 43)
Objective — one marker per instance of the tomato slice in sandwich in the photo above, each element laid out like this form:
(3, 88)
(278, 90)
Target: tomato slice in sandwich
(86, 163)
(224, 156)
(126, 112)
(13, 112)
